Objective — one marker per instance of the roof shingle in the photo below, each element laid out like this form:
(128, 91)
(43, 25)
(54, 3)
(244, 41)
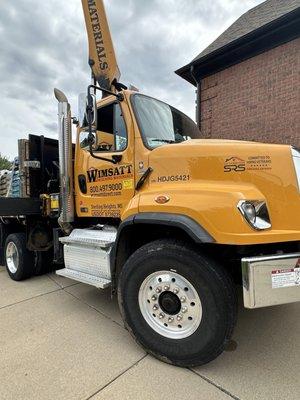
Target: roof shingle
(261, 15)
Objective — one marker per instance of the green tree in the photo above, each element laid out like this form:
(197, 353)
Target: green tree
(5, 163)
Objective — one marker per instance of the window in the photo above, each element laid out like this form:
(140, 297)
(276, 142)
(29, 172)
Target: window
(111, 134)
(161, 123)
(111, 129)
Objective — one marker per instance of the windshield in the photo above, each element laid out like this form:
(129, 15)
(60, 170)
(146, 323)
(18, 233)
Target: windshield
(161, 123)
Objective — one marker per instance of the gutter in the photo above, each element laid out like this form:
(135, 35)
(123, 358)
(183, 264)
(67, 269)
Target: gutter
(271, 35)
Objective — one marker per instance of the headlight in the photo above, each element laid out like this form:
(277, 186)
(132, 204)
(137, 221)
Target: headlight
(255, 213)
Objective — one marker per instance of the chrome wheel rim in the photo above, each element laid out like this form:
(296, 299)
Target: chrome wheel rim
(12, 257)
(170, 304)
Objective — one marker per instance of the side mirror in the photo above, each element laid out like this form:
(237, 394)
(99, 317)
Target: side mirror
(82, 104)
(91, 120)
(87, 111)
(91, 116)
(91, 112)
(86, 140)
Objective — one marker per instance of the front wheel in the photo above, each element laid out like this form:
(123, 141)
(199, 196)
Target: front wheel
(179, 305)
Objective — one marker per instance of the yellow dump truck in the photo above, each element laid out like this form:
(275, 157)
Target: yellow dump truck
(170, 222)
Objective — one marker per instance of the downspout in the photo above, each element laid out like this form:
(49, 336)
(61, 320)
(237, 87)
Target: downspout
(66, 216)
(198, 105)
(198, 98)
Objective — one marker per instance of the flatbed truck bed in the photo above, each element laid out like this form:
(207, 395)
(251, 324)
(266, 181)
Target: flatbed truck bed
(17, 207)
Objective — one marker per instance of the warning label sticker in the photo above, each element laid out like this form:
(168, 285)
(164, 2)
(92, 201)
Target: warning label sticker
(286, 277)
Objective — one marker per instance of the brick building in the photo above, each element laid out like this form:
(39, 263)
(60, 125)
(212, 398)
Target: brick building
(248, 79)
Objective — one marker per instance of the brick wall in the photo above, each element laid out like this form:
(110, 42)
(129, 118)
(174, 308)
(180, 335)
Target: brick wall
(258, 99)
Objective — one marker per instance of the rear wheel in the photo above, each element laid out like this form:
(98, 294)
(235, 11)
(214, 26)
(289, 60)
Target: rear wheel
(43, 262)
(179, 305)
(18, 259)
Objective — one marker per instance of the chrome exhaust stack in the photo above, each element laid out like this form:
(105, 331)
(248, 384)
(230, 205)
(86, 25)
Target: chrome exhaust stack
(66, 216)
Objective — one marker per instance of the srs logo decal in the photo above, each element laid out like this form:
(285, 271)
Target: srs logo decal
(234, 164)
(252, 163)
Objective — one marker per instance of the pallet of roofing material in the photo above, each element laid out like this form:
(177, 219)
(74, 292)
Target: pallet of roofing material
(34, 172)
(15, 184)
(5, 177)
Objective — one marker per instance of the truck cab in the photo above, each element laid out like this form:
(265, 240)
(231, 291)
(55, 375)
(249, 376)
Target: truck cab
(130, 129)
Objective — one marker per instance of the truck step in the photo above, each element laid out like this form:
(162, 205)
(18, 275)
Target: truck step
(96, 281)
(87, 255)
(103, 238)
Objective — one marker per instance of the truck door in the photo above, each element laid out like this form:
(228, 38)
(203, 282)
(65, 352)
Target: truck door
(103, 189)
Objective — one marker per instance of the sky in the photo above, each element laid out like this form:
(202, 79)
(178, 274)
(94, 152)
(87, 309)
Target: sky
(44, 45)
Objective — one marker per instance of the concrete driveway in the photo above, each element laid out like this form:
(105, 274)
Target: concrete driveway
(64, 340)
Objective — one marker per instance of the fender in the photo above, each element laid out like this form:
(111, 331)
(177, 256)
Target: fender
(187, 224)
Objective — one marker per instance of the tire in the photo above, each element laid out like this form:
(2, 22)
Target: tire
(43, 262)
(18, 259)
(201, 285)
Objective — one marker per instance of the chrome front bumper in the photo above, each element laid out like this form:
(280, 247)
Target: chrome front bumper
(271, 280)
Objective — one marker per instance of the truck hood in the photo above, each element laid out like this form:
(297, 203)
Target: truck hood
(268, 168)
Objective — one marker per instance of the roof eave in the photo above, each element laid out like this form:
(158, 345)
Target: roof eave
(262, 39)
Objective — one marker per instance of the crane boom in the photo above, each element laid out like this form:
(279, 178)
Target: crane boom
(102, 59)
